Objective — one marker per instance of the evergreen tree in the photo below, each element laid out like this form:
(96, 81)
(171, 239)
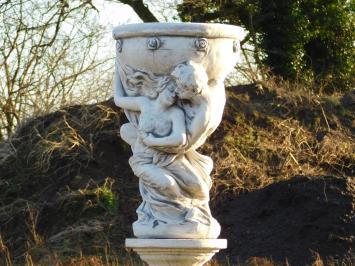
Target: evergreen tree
(293, 37)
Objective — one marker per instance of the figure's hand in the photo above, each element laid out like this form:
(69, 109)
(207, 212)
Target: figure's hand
(142, 134)
(149, 140)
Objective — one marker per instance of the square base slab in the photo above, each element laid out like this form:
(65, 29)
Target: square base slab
(176, 252)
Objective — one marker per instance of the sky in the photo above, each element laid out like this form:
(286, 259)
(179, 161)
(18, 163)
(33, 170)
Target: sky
(114, 14)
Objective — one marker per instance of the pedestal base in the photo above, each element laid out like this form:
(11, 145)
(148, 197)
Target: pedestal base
(185, 230)
(176, 252)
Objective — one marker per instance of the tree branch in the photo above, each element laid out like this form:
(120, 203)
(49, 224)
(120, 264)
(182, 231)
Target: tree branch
(140, 8)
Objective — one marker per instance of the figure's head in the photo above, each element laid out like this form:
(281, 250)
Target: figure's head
(166, 90)
(138, 82)
(191, 79)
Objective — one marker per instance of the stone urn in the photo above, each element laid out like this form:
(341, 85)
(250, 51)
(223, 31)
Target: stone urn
(169, 79)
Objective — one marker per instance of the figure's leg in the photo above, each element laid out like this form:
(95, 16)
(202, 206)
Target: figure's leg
(128, 133)
(155, 177)
(193, 180)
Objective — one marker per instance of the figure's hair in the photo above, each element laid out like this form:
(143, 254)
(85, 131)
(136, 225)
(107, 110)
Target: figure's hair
(190, 76)
(150, 85)
(140, 83)
(162, 83)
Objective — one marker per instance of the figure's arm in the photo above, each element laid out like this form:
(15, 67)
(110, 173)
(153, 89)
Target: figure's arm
(130, 103)
(125, 102)
(177, 138)
(118, 90)
(199, 124)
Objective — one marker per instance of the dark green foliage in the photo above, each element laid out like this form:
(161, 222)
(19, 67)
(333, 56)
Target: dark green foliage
(282, 36)
(197, 11)
(328, 48)
(229, 11)
(307, 38)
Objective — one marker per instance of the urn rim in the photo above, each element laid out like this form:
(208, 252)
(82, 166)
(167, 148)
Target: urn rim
(207, 30)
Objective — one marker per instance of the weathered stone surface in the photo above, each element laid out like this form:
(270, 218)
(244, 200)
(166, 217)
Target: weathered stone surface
(169, 80)
(176, 252)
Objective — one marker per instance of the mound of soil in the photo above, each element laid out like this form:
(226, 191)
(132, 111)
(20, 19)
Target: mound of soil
(292, 220)
(66, 187)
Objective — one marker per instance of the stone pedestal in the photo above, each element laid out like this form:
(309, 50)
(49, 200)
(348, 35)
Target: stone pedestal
(176, 252)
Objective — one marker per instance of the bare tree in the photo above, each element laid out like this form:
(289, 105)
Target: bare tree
(48, 48)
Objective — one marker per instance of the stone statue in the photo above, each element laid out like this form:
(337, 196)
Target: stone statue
(169, 81)
(174, 178)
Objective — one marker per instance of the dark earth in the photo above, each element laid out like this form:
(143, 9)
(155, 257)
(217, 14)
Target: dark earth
(52, 197)
(291, 220)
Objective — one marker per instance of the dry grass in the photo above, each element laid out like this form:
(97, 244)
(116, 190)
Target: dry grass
(107, 259)
(44, 177)
(63, 205)
(273, 133)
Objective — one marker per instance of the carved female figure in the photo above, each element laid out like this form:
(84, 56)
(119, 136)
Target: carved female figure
(161, 124)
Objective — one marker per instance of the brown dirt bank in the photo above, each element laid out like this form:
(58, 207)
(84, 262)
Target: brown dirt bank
(66, 187)
(291, 220)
